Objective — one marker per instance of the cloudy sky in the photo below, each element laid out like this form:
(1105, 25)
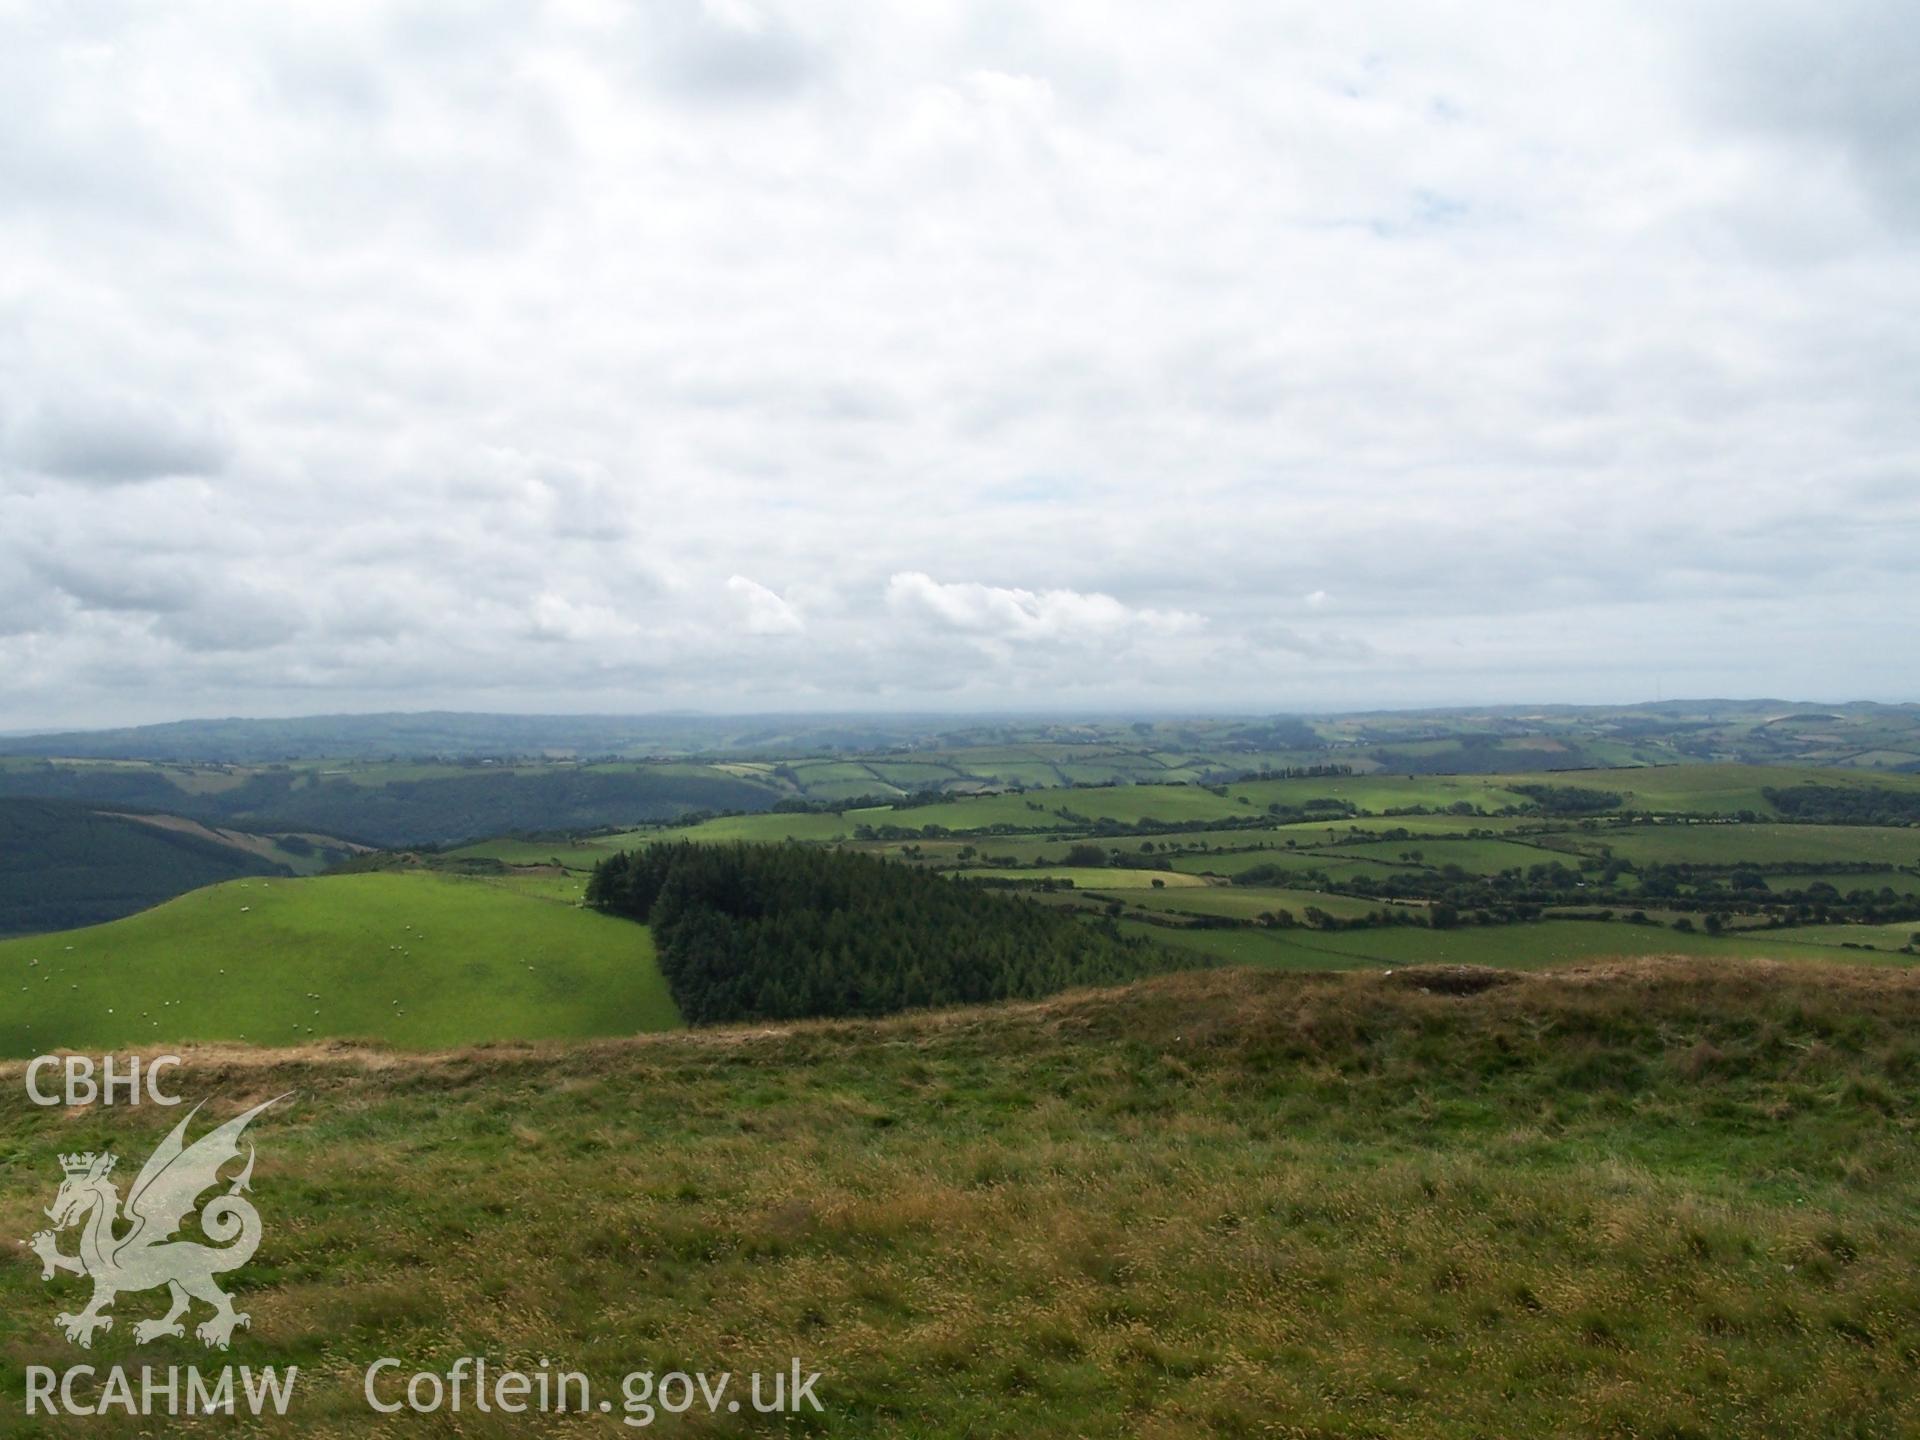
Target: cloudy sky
(746, 355)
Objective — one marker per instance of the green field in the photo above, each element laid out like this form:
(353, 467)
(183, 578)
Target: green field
(1811, 845)
(1092, 877)
(1322, 833)
(763, 829)
(1046, 849)
(1666, 789)
(574, 855)
(1901, 882)
(1234, 862)
(1476, 857)
(566, 886)
(1881, 937)
(815, 772)
(1246, 902)
(1376, 793)
(1523, 947)
(407, 959)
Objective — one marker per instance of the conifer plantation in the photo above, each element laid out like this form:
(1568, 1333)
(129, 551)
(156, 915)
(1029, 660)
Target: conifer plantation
(780, 932)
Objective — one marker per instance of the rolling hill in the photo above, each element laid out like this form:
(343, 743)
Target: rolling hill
(405, 958)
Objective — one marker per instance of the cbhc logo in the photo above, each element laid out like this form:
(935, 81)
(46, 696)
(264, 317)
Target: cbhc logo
(81, 1088)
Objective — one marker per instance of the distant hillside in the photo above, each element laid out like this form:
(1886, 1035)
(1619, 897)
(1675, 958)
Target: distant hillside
(397, 810)
(454, 734)
(64, 865)
(1481, 740)
(444, 778)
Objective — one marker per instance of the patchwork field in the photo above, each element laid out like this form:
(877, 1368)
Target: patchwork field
(1362, 889)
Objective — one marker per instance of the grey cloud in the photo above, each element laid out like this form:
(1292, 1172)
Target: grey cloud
(726, 50)
(1839, 75)
(233, 618)
(117, 440)
(121, 583)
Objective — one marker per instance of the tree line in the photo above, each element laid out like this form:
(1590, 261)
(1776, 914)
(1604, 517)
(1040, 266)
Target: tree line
(1845, 804)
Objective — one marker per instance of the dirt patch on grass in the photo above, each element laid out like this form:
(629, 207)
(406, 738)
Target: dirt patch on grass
(1453, 979)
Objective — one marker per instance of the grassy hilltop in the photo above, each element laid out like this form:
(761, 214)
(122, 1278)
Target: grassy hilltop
(1655, 1198)
(411, 959)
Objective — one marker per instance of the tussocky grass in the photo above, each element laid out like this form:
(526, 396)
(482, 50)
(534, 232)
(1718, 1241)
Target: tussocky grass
(1673, 1197)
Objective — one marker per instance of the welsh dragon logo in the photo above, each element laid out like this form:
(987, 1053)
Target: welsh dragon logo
(144, 1255)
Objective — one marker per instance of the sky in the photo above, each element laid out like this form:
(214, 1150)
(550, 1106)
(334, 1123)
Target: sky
(745, 356)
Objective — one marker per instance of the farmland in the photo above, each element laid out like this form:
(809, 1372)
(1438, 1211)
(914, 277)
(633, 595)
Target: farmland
(1689, 851)
(1323, 869)
(440, 778)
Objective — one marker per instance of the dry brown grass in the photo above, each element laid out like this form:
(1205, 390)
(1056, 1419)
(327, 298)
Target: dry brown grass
(1652, 1198)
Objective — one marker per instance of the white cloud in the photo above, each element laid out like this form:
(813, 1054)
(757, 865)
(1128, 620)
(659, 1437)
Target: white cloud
(761, 611)
(557, 618)
(1000, 613)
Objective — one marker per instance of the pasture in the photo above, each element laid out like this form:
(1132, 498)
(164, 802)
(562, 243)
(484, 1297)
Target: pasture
(1476, 857)
(410, 959)
(1897, 936)
(1517, 947)
(1722, 844)
(1092, 877)
(1901, 882)
(1334, 861)
(572, 854)
(1242, 902)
